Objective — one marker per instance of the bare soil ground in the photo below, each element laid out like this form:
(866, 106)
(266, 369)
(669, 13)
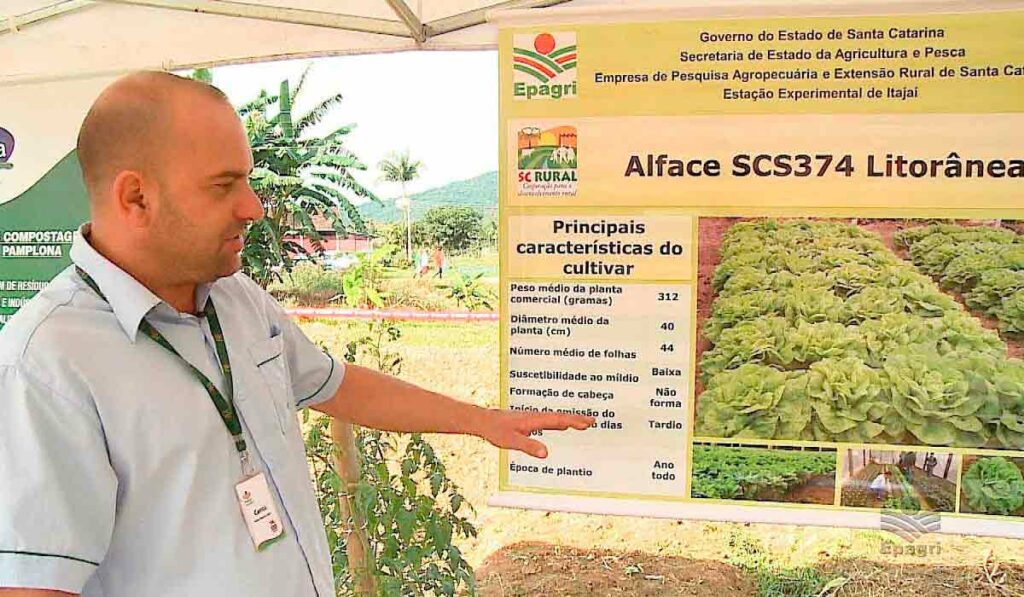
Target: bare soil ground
(820, 489)
(536, 569)
(533, 568)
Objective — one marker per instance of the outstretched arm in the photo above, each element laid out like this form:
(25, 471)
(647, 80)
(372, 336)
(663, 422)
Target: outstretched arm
(373, 399)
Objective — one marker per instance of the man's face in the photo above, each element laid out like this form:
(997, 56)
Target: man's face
(205, 200)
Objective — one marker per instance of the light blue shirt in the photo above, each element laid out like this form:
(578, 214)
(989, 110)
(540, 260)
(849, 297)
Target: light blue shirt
(117, 475)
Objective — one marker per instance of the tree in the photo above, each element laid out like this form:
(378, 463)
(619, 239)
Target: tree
(400, 168)
(395, 233)
(489, 234)
(298, 176)
(203, 75)
(455, 228)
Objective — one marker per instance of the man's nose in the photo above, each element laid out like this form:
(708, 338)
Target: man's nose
(251, 207)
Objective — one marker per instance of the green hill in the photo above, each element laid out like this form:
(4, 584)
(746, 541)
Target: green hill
(479, 192)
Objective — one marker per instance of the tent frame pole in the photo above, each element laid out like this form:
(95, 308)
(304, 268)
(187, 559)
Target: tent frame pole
(278, 14)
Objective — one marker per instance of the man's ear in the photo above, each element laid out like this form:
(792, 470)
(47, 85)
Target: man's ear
(130, 200)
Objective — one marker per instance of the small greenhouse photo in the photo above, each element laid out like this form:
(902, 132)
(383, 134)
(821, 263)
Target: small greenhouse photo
(899, 480)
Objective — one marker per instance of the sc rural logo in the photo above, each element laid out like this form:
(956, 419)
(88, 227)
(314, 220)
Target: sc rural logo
(6, 149)
(544, 66)
(546, 161)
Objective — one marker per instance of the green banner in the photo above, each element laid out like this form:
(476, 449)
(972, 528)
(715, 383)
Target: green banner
(35, 233)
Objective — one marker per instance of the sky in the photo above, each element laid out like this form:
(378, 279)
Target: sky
(441, 106)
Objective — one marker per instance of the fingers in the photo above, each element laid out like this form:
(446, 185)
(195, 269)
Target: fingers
(557, 421)
(580, 422)
(511, 430)
(526, 445)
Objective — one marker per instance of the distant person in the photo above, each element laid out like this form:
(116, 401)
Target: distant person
(930, 462)
(907, 461)
(880, 485)
(439, 261)
(422, 262)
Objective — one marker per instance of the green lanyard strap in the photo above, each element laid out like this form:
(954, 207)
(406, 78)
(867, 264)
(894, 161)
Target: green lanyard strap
(225, 405)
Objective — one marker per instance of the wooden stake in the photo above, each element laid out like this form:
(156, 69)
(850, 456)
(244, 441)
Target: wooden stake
(357, 546)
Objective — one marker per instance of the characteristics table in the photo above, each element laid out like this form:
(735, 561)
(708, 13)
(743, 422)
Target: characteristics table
(615, 349)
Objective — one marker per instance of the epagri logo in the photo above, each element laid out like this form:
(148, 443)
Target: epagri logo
(6, 149)
(547, 161)
(544, 66)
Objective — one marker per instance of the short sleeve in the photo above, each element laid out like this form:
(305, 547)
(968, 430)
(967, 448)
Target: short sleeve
(57, 487)
(315, 375)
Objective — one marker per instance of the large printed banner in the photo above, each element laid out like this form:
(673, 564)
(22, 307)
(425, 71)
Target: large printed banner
(780, 259)
(42, 197)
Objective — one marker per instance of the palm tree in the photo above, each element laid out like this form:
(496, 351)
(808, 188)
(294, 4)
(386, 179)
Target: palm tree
(400, 168)
(298, 176)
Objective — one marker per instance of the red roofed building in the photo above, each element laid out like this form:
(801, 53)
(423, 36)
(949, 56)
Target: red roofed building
(331, 241)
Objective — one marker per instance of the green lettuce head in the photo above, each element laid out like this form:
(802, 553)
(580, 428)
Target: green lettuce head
(846, 399)
(751, 402)
(994, 486)
(933, 400)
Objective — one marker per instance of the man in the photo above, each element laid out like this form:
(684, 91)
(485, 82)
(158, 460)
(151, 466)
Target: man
(148, 442)
(439, 261)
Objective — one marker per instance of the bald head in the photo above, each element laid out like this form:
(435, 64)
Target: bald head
(130, 124)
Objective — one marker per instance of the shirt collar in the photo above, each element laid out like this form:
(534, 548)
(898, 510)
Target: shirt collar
(128, 298)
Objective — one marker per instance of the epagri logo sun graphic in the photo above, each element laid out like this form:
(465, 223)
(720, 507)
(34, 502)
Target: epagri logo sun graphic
(6, 149)
(544, 66)
(547, 161)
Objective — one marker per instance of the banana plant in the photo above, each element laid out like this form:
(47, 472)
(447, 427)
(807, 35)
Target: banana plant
(299, 176)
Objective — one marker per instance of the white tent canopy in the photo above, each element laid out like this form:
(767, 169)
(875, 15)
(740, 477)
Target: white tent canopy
(59, 40)
(53, 40)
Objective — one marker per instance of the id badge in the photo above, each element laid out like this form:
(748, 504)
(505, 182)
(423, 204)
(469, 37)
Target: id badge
(259, 511)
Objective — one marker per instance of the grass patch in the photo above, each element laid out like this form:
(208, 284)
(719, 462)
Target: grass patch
(435, 335)
(486, 263)
(463, 335)
(774, 578)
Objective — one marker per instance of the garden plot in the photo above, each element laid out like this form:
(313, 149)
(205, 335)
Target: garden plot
(895, 480)
(819, 332)
(982, 263)
(939, 494)
(764, 474)
(898, 495)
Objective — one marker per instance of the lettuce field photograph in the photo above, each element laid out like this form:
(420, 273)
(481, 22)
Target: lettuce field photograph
(902, 332)
(765, 474)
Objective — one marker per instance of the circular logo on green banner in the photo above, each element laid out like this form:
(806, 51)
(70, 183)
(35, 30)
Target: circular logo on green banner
(6, 148)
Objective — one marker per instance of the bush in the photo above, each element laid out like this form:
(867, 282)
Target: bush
(310, 284)
(418, 293)
(456, 228)
(410, 510)
(470, 293)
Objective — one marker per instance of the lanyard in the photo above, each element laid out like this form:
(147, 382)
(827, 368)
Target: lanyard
(225, 405)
